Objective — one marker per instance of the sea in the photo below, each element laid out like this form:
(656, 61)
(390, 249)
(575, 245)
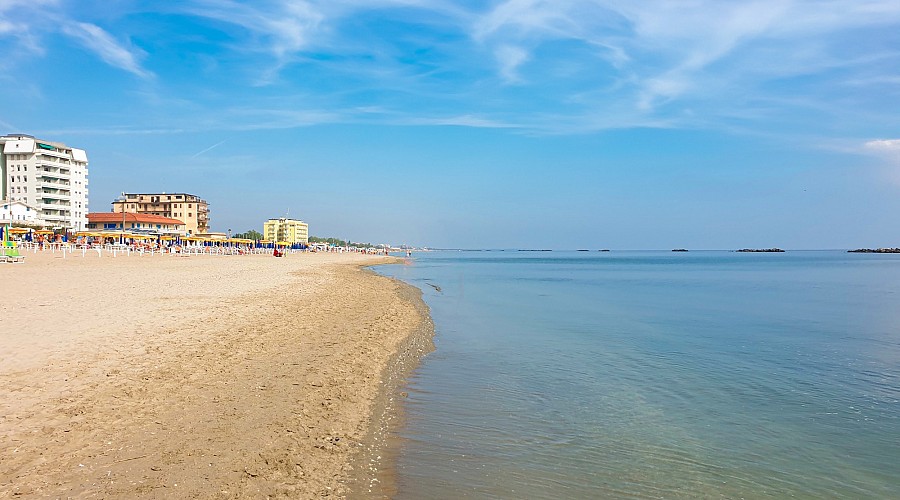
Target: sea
(651, 374)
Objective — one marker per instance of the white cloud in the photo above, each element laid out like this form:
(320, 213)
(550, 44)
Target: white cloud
(280, 28)
(510, 59)
(886, 149)
(16, 17)
(107, 48)
(587, 63)
(888, 152)
(720, 54)
(462, 121)
(887, 145)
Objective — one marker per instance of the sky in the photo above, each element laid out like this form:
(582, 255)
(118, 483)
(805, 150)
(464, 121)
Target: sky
(562, 124)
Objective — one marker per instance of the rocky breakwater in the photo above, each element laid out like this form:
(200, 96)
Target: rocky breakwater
(875, 250)
(771, 250)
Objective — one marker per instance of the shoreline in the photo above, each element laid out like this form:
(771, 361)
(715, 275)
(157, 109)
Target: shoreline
(374, 470)
(203, 376)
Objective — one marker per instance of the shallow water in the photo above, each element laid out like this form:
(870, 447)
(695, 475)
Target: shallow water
(655, 375)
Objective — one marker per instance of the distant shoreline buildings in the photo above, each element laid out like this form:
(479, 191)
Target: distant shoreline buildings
(44, 184)
(47, 176)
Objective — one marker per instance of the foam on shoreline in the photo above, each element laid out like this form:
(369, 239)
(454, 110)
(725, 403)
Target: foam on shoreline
(374, 469)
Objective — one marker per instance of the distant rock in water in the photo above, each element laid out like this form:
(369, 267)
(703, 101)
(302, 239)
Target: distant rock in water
(582, 250)
(604, 250)
(680, 250)
(771, 250)
(875, 250)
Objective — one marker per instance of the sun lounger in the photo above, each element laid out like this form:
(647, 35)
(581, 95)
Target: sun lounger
(12, 255)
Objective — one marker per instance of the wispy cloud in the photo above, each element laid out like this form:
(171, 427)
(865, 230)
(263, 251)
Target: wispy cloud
(97, 40)
(208, 149)
(888, 153)
(510, 58)
(886, 145)
(551, 65)
(461, 121)
(16, 23)
(694, 53)
(280, 28)
(887, 149)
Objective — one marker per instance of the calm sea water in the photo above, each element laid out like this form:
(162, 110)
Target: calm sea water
(655, 375)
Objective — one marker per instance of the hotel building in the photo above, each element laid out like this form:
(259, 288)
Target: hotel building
(46, 175)
(190, 209)
(288, 230)
(134, 223)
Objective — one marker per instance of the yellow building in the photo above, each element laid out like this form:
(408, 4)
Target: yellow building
(288, 230)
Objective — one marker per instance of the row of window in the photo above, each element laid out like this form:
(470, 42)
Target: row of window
(114, 225)
(55, 159)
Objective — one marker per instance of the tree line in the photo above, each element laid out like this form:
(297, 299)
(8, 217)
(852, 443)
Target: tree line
(256, 235)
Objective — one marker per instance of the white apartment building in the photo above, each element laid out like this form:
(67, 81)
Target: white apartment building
(47, 175)
(16, 212)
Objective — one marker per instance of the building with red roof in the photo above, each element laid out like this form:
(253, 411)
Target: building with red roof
(134, 223)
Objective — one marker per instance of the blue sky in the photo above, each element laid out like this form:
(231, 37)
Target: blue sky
(519, 123)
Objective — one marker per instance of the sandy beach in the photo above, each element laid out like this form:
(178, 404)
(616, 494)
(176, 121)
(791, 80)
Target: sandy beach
(200, 376)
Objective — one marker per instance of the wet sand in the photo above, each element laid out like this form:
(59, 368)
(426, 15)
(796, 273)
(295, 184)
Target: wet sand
(201, 376)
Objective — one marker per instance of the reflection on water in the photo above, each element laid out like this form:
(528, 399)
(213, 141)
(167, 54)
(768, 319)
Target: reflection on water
(645, 374)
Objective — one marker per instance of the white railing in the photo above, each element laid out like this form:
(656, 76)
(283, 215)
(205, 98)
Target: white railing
(116, 250)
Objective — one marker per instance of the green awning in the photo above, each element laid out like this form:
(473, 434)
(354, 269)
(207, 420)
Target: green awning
(46, 146)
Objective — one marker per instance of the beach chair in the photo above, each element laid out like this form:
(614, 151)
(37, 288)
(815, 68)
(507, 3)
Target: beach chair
(11, 254)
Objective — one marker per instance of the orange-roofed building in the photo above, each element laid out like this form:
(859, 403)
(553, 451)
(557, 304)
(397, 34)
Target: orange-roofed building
(134, 223)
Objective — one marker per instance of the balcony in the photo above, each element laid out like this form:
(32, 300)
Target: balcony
(55, 216)
(57, 174)
(54, 185)
(49, 204)
(55, 196)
